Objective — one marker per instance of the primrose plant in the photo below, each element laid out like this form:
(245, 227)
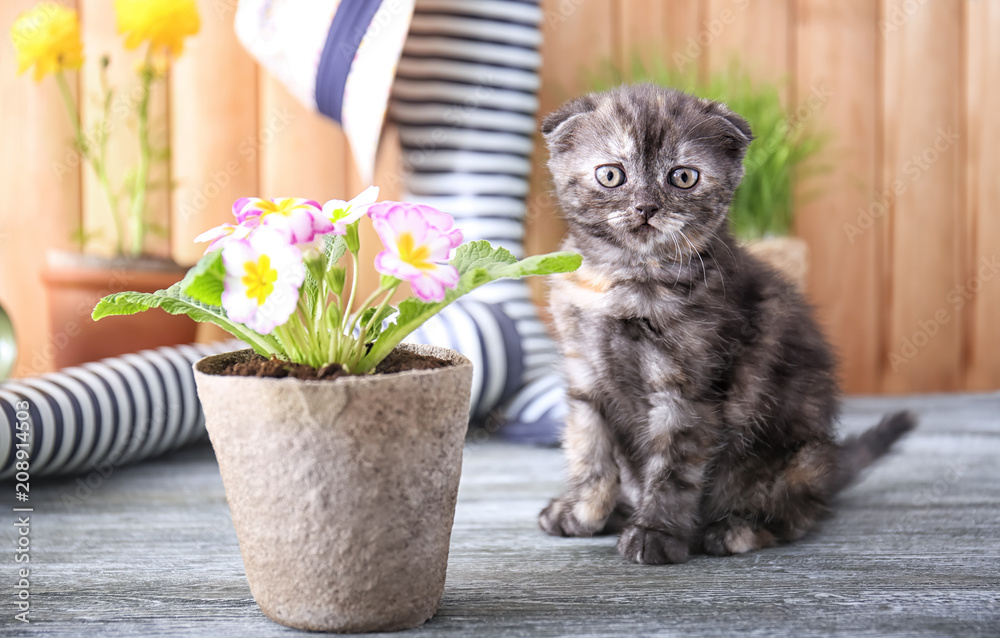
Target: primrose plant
(276, 278)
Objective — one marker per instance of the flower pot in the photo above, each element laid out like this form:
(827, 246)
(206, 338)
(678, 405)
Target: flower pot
(342, 492)
(75, 283)
(787, 255)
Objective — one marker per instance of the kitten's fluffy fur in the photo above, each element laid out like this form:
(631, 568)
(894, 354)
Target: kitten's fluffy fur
(702, 396)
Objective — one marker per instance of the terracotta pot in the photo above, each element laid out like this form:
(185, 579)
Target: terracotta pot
(75, 283)
(788, 255)
(342, 492)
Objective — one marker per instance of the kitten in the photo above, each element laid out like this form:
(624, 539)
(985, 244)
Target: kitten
(702, 396)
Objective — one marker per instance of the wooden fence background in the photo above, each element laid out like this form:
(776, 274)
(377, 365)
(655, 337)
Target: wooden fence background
(904, 238)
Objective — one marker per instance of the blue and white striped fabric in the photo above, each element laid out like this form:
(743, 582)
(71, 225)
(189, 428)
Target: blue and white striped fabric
(336, 56)
(465, 101)
(106, 413)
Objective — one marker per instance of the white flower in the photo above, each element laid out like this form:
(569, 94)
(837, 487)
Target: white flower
(342, 214)
(263, 277)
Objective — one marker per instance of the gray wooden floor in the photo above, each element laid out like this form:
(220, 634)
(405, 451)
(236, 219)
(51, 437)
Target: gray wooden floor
(913, 550)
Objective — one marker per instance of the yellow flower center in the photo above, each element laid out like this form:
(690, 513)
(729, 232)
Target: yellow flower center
(259, 279)
(284, 207)
(416, 256)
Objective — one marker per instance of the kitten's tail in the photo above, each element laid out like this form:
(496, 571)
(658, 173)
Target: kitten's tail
(858, 452)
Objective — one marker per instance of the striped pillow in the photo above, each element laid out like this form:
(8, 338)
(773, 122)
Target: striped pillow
(336, 56)
(105, 414)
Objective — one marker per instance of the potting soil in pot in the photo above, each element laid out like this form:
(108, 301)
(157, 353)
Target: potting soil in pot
(397, 361)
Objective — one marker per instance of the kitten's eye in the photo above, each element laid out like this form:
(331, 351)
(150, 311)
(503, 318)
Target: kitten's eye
(610, 175)
(683, 177)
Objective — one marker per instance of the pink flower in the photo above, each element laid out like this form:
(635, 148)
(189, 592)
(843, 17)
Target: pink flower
(222, 235)
(263, 277)
(416, 239)
(341, 214)
(298, 220)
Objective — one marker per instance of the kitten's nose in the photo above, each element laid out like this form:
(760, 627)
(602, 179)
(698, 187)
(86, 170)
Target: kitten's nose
(647, 210)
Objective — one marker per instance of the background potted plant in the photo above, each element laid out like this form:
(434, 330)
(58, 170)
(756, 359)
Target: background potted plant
(48, 39)
(341, 453)
(762, 212)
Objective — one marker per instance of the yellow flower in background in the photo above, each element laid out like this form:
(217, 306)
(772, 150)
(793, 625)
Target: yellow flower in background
(163, 23)
(48, 38)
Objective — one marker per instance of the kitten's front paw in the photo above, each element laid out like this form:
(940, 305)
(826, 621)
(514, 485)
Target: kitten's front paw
(558, 520)
(734, 537)
(651, 547)
(713, 541)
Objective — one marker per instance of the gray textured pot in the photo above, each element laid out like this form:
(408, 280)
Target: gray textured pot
(342, 492)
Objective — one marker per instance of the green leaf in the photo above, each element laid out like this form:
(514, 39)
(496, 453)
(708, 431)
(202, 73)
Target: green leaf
(353, 239)
(387, 281)
(335, 278)
(324, 270)
(376, 328)
(334, 247)
(315, 271)
(332, 317)
(204, 282)
(173, 301)
(480, 253)
(478, 263)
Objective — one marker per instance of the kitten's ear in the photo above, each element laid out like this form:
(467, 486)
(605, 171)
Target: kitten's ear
(737, 131)
(557, 126)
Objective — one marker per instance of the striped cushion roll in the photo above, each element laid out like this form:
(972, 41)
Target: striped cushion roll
(465, 103)
(113, 412)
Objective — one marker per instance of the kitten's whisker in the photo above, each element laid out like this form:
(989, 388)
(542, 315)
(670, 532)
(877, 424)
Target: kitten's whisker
(705, 137)
(703, 269)
(730, 251)
(687, 266)
(690, 261)
(690, 127)
(677, 253)
(722, 272)
(700, 146)
(617, 216)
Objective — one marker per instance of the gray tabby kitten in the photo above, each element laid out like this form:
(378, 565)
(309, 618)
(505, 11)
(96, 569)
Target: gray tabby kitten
(702, 395)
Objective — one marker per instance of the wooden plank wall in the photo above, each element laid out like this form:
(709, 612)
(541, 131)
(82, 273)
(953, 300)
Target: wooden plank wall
(42, 189)
(904, 233)
(982, 204)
